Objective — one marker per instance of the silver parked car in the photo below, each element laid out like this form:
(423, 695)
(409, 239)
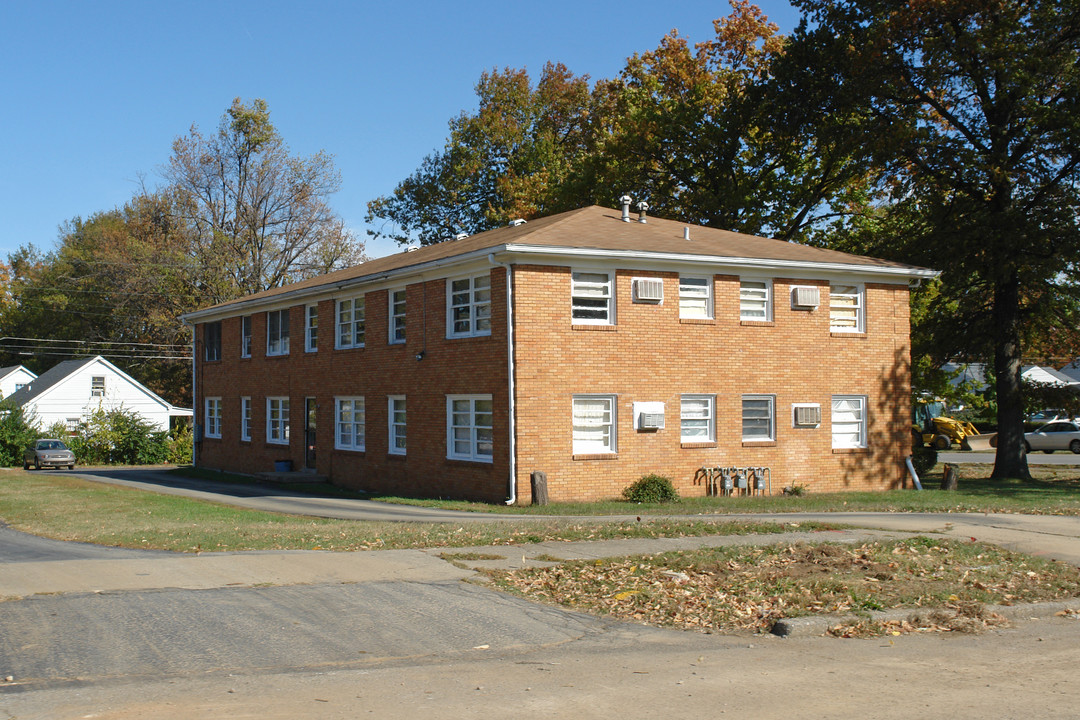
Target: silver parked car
(48, 452)
(1057, 435)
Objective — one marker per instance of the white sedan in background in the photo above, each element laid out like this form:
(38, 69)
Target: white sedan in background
(1058, 435)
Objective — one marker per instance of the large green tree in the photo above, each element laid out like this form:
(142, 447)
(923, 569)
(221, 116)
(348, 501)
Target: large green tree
(115, 286)
(513, 157)
(971, 109)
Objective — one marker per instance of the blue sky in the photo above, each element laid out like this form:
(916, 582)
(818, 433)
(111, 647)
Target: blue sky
(92, 94)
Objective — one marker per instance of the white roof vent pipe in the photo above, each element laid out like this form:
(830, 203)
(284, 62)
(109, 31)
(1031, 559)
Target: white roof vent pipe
(625, 200)
(686, 233)
(519, 221)
(642, 207)
(461, 236)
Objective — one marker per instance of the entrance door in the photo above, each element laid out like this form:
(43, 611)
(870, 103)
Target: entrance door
(309, 433)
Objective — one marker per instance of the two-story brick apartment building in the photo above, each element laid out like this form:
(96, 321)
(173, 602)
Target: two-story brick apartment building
(583, 345)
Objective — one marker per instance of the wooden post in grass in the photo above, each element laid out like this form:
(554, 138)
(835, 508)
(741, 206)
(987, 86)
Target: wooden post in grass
(539, 488)
(949, 478)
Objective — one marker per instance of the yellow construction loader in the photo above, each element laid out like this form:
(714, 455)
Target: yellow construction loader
(931, 423)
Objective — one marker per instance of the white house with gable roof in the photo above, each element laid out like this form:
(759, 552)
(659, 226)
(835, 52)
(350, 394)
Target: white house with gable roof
(14, 378)
(73, 390)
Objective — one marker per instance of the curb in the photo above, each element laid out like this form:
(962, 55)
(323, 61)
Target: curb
(819, 625)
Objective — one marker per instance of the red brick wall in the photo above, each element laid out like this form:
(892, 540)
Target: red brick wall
(650, 355)
(449, 366)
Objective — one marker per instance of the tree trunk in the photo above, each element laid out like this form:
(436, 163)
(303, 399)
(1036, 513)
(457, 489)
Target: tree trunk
(1011, 460)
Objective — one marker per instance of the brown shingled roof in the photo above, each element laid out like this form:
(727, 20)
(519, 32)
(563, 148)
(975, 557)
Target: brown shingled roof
(601, 229)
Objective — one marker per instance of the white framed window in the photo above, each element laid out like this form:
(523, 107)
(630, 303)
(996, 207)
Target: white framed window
(213, 417)
(245, 336)
(277, 420)
(755, 300)
(397, 316)
(849, 421)
(468, 306)
(245, 418)
(97, 386)
(469, 421)
(351, 423)
(396, 419)
(697, 418)
(594, 424)
(350, 322)
(591, 298)
(696, 297)
(277, 332)
(846, 311)
(311, 328)
(758, 417)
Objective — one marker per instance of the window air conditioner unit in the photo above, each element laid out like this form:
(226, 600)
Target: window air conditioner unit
(651, 421)
(805, 297)
(648, 290)
(807, 415)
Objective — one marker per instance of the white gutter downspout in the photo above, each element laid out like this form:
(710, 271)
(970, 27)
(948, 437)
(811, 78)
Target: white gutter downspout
(510, 370)
(194, 407)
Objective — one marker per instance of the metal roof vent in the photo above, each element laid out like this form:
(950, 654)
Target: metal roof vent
(461, 236)
(642, 207)
(686, 233)
(412, 248)
(519, 221)
(626, 200)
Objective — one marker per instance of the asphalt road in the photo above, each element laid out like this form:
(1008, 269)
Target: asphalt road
(424, 642)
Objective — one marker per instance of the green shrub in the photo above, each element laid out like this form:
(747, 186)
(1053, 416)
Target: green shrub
(924, 459)
(651, 489)
(17, 432)
(180, 442)
(119, 437)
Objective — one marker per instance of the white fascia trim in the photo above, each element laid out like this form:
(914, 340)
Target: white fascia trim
(759, 264)
(294, 297)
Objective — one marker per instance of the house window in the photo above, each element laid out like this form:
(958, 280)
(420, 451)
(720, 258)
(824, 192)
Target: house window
(848, 421)
(594, 424)
(757, 417)
(591, 298)
(350, 323)
(468, 427)
(698, 419)
(469, 307)
(72, 424)
(397, 316)
(277, 332)
(311, 328)
(97, 386)
(212, 341)
(846, 308)
(695, 298)
(755, 300)
(245, 336)
(349, 412)
(397, 424)
(245, 418)
(277, 420)
(213, 417)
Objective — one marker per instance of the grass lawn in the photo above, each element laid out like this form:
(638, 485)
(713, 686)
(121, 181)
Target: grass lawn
(1054, 491)
(715, 590)
(67, 508)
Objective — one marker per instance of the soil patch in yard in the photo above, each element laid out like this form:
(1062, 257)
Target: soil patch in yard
(948, 583)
